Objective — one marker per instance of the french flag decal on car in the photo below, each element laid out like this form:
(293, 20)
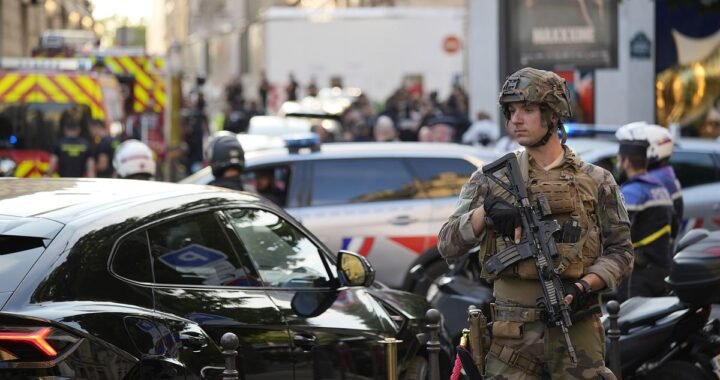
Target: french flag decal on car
(361, 245)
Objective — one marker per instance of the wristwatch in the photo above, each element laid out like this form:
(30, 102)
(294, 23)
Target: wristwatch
(585, 286)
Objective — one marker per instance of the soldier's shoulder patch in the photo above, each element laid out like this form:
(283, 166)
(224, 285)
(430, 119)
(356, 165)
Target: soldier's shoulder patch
(600, 176)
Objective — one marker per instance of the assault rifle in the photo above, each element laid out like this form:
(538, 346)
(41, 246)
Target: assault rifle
(537, 242)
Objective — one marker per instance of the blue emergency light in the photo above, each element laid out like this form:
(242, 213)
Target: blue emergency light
(303, 141)
(588, 130)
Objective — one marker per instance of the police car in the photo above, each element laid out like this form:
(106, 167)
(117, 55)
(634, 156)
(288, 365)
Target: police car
(386, 201)
(697, 166)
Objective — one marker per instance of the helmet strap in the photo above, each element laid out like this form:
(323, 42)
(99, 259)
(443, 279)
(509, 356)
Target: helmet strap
(547, 119)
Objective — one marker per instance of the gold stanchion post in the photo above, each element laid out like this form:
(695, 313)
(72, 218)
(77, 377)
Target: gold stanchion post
(391, 357)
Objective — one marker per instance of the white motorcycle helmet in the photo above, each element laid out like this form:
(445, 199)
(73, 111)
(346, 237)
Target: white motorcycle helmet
(134, 158)
(660, 139)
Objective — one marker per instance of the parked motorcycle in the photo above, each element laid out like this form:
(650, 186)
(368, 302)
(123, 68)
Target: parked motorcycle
(675, 337)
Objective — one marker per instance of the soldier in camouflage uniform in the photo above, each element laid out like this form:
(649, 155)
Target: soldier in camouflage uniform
(594, 242)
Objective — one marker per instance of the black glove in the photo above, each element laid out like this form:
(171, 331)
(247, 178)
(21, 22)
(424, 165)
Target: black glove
(501, 216)
(579, 293)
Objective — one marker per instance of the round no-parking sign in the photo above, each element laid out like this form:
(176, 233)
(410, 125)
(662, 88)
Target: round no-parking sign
(451, 44)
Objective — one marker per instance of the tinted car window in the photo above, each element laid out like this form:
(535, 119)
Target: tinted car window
(194, 250)
(270, 182)
(693, 169)
(132, 258)
(283, 255)
(359, 181)
(441, 177)
(17, 256)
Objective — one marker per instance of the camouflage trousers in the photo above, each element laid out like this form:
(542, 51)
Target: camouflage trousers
(539, 352)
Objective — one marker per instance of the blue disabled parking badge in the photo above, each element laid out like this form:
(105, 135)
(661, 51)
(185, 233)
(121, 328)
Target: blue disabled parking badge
(192, 256)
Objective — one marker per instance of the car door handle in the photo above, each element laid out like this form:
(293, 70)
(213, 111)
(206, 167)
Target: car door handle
(402, 220)
(193, 341)
(305, 341)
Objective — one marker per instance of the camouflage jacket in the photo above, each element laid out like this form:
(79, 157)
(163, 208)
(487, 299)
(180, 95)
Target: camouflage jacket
(613, 263)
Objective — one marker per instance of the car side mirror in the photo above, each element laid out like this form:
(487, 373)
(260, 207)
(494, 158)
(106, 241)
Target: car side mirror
(354, 270)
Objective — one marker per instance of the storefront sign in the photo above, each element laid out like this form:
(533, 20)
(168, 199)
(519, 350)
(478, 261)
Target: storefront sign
(552, 34)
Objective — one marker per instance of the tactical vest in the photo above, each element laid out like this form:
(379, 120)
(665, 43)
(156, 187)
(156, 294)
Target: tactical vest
(572, 199)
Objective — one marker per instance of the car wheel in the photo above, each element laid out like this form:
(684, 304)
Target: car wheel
(428, 276)
(417, 369)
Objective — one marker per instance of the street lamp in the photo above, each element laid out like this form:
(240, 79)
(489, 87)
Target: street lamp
(87, 22)
(172, 111)
(50, 7)
(174, 56)
(99, 29)
(74, 18)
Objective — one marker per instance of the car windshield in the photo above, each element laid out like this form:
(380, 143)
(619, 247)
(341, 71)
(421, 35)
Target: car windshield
(37, 125)
(17, 256)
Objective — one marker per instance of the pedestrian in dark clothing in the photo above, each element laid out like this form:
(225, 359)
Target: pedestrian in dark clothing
(234, 93)
(227, 161)
(198, 126)
(103, 149)
(266, 186)
(264, 90)
(292, 88)
(72, 154)
(237, 121)
(312, 88)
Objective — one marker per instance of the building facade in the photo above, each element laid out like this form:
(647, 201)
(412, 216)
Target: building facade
(23, 22)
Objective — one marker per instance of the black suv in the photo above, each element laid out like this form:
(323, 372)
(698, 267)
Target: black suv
(120, 279)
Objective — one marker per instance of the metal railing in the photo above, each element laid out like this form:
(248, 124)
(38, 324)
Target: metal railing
(613, 309)
(229, 343)
(431, 339)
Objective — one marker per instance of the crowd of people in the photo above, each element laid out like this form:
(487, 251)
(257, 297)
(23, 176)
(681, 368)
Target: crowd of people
(407, 114)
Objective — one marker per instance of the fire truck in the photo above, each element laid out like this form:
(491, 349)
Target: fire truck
(141, 77)
(123, 87)
(35, 93)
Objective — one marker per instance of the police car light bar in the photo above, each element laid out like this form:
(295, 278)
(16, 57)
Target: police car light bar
(300, 141)
(589, 130)
(55, 64)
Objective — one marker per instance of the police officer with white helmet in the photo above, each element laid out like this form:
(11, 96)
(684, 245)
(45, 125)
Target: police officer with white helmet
(134, 160)
(660, 148)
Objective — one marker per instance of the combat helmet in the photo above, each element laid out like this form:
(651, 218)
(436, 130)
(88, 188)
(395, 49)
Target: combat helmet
(224, 151)
(541, 87)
